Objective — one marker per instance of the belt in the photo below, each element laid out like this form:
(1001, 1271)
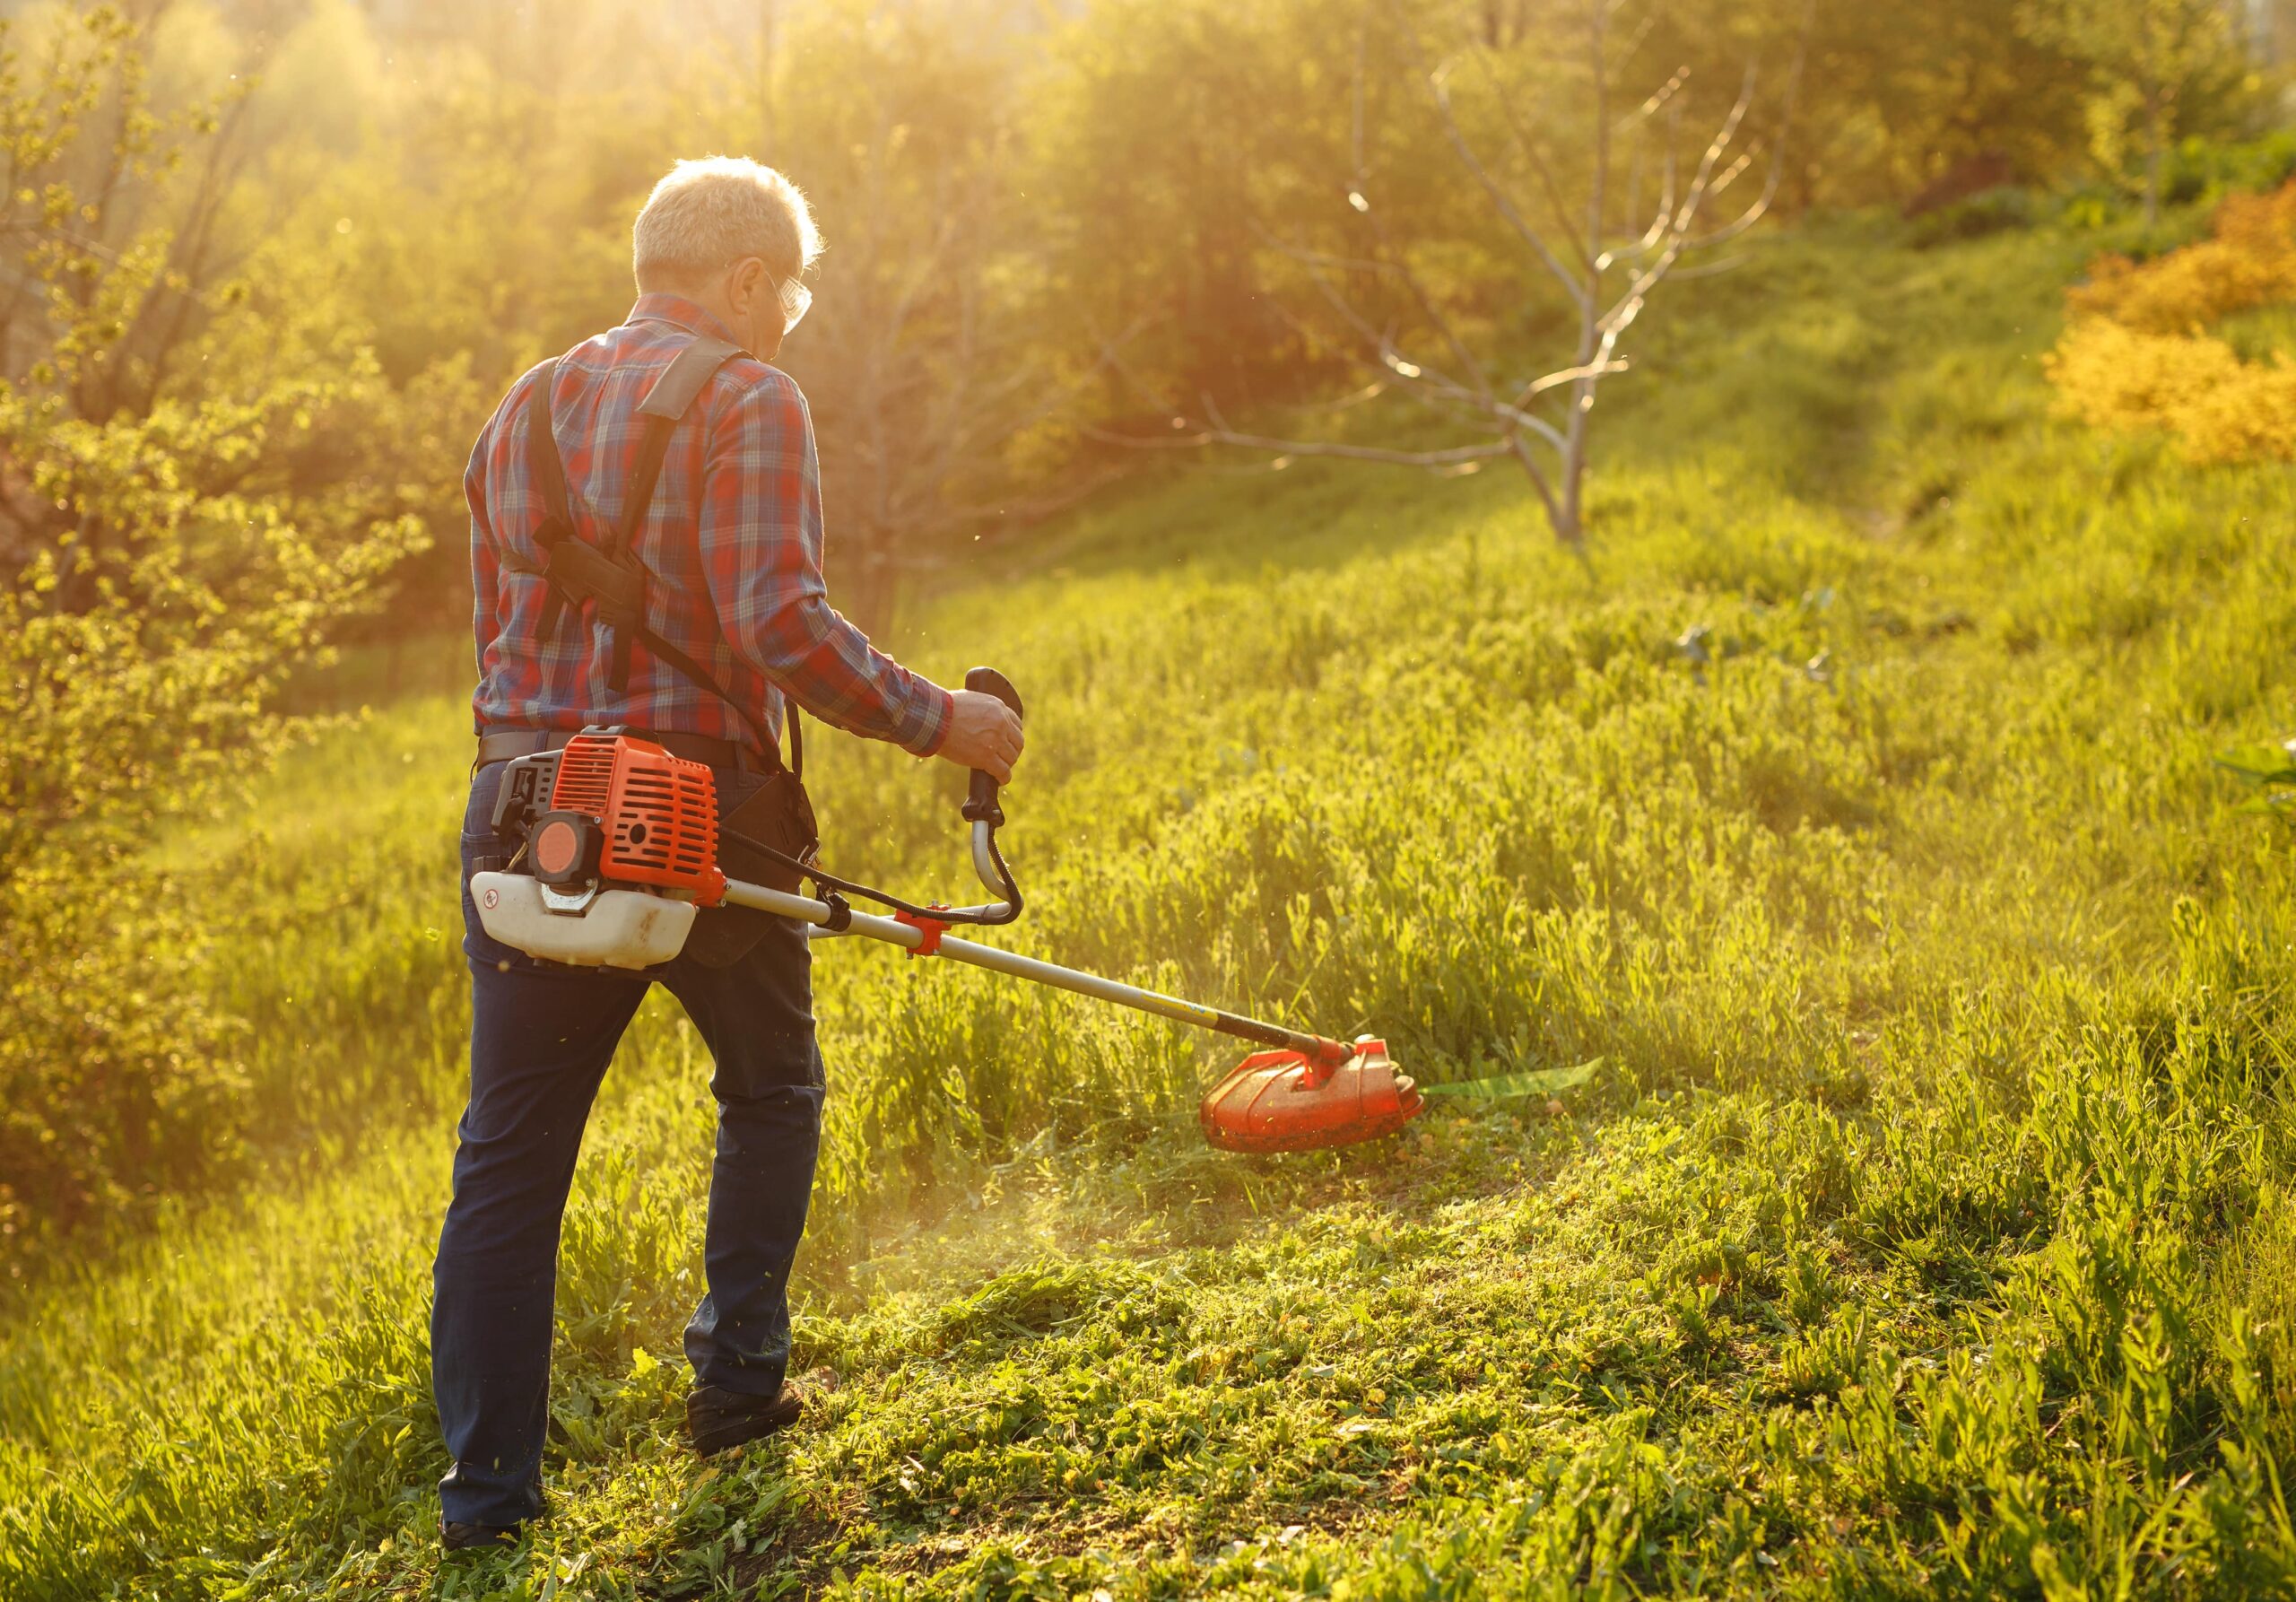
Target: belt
(500, 744)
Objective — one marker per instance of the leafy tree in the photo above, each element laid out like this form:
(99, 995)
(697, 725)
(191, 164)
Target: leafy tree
(1896, 98)
(1169, 140)
(927, 382)
(2147, 60)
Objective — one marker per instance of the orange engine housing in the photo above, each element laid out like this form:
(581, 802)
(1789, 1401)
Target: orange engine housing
(658, 812)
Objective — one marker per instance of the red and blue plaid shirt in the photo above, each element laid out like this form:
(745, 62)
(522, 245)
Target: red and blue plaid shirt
(732, 545)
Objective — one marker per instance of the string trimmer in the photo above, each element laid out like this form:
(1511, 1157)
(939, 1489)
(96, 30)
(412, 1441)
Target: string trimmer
(617, 851)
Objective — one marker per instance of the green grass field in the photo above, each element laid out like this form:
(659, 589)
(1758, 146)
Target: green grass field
(1925, 1230)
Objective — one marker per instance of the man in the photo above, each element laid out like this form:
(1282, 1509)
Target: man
(729, 548)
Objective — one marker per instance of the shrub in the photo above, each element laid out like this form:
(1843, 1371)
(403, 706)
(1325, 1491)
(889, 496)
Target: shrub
(2219, 408)
(2203, 168)
(1991, 211)
(2136, 354)
(2251, 261)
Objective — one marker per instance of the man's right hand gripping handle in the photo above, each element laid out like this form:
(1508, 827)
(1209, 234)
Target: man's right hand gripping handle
(985, 731)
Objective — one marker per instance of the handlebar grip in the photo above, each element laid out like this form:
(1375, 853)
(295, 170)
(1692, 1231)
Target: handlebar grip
(980, 802)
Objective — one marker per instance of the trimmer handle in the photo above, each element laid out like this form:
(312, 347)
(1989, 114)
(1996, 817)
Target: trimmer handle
(980, 802)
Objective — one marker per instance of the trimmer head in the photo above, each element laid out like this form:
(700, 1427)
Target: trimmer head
(1286, 1101)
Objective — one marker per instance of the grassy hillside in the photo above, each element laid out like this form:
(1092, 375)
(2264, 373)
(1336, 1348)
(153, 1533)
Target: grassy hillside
(1927, 1229)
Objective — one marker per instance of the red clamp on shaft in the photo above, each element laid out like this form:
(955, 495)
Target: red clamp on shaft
(1325, 1059)
(931, 928)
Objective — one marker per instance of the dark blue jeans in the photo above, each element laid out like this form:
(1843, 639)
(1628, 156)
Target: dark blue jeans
(541, 1038)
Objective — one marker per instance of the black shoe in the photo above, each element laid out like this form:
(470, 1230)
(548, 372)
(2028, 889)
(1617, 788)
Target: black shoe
(472, 1537)
(720, 1420)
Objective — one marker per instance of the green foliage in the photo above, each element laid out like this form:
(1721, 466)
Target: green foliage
(167, 553)
(2146, 60)
(1990, 211)
(1926, 1231)
(2206, 171)
(2270, 770)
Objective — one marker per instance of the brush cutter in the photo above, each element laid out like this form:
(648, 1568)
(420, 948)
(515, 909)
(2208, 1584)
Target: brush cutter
(617, 850)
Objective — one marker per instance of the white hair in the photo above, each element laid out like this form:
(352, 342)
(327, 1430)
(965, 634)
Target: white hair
(708, 214)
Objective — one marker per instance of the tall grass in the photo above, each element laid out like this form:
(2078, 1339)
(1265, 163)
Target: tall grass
(1855, 810)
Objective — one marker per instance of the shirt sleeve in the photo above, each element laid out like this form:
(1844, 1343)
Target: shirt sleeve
(761, 559)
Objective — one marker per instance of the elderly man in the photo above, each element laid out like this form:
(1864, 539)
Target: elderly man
(646, 547)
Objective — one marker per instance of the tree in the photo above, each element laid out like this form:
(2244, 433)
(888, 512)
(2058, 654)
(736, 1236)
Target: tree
(166, 556)
(1899, 101)
(2145, 59)
(917, 357)
(1613, 213)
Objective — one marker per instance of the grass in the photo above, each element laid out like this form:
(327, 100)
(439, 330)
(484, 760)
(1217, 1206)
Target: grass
(1926, 1231)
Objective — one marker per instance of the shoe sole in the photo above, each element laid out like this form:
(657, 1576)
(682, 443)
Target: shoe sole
(728, 1437)
(501, 1542)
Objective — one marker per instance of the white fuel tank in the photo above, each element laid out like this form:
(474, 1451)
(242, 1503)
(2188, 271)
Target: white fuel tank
(620, 928)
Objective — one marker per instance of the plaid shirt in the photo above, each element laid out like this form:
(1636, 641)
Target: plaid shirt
(732, 545)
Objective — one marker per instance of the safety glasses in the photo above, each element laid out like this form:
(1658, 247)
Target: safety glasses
(795, 297)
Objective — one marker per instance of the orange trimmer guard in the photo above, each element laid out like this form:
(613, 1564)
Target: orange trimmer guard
(1282, 1101)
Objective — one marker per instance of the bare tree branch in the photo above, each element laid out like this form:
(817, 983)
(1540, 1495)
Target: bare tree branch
(1358, 198)
(1543, 168)
(1483, 451)
(1499, 199)
(1418, 375)
(1710, 269)
(1607, 311)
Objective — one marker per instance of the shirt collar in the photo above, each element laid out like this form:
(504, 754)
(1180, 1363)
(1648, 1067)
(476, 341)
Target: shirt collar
(658, 307)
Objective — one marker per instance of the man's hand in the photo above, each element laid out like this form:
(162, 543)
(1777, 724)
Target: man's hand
(983, 734)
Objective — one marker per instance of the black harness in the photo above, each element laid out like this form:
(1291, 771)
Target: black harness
(609, 576)
(770, 836)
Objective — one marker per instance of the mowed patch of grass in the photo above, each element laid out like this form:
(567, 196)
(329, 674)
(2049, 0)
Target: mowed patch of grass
(1925, 1230)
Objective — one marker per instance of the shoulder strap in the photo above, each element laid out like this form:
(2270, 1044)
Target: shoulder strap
(665, 403)
(547, 468)
(681, 381)
(668, 400)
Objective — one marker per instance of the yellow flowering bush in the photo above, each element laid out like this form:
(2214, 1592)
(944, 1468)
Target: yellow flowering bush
(2219, 408)
(2250, 261)
(2252, 418)
(2136, 354)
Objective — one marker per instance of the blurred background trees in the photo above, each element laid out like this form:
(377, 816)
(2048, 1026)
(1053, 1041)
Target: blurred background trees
(2144, 60)
(1595, 187)
(199, 480)
(1043, 221)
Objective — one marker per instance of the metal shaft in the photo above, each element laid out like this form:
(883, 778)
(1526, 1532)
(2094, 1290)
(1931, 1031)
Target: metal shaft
(909, 938)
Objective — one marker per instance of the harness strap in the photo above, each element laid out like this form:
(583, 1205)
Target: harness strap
(666, 401)
(612, 576)
(548, 471)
